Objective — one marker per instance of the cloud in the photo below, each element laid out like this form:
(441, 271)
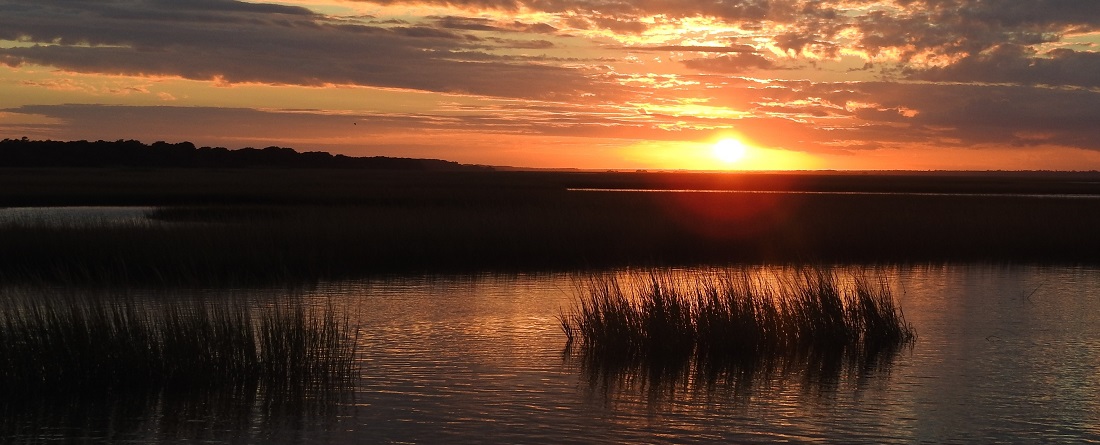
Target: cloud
(970, 27)
(917, 35)
(524, 44)
(1018, 64)
(233, 42)
(968, 115)
(730, 63)
(817, 117)
(232, 6)
(695, 48)
(180, 123)
(468, 23)
(213, 38)
(732, 10)
(964, 73)
(619, 25)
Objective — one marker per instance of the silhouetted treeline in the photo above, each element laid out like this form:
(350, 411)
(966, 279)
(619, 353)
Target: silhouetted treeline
(130, 153)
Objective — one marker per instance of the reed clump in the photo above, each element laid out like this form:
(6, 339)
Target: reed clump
(74, 345)
(731, 318)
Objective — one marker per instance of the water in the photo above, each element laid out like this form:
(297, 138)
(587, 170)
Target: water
(1004, 355)
(76, 216)
(841, 193)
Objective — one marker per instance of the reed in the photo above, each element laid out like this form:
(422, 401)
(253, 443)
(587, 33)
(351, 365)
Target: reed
(732, 318)
(70, 346)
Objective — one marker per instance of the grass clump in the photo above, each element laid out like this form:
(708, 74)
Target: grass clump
(725, 319)
(72, 346)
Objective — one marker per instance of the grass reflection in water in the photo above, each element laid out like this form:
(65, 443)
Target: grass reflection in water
(731, 328)
(120, 360)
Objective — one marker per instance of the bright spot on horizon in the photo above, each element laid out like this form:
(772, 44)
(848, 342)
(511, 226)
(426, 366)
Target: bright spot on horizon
(729, 150)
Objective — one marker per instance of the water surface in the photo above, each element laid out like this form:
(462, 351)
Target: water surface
(74, 216)
(1004, 355)
(843, 193)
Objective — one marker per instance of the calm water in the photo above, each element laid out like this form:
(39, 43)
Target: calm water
(836, 193)
(74, 216)
(1004, 355)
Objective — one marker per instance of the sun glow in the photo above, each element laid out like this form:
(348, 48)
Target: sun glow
(729, 150)
(728, 154)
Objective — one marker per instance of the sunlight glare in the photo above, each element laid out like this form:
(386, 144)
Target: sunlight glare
(667, 155)
(729, 150)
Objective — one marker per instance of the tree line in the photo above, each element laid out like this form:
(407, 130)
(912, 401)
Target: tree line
(130, 153)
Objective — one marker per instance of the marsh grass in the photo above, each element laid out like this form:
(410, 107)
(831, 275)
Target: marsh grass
(245, 227)
(734, 326)
(76, 346)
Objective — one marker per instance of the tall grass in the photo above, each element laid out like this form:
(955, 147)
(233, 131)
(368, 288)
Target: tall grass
(729, 320)
(83, 345)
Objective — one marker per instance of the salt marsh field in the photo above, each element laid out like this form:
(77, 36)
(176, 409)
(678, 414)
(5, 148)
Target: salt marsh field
(446, 291)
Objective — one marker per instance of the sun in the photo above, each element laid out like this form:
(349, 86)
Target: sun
(729, 150)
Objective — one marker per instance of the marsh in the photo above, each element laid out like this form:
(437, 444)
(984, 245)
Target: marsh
(453, 285)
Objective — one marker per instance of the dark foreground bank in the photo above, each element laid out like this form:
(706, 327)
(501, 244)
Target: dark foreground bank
(272, 225)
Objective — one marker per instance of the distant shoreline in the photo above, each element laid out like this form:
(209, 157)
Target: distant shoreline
(270, 225)
(265, 184)
(30, 153)
(26, 153)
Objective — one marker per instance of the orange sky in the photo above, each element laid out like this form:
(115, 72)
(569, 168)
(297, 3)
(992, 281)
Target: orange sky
(603, 84)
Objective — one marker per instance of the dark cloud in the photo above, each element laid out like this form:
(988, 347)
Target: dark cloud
(112, 122)
(776, 10)
(522, 44)
(618, 25)
(1020, 65)
(939, 33)
(492, 26)
(207, 124)
(967, 115)
(467, 23)
(806, 42)
(1021, 14)
(730, 63)
(1019, 116)
(484, 24)
(897, 21)
(537, 28)
(969, 27)
(425, 31)
(242, 42)
(696, 48)
(229, 5)
(821, 116)
(117, 121)
(971, 33)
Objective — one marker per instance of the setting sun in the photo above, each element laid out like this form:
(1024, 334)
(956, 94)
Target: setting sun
(729, 150)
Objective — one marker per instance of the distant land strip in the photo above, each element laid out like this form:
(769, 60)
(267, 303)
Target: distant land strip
(130, 153)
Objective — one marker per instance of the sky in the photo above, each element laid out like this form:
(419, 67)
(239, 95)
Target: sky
(592, 84)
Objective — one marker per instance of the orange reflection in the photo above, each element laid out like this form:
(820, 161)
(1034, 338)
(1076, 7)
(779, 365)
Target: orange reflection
(726, 216)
